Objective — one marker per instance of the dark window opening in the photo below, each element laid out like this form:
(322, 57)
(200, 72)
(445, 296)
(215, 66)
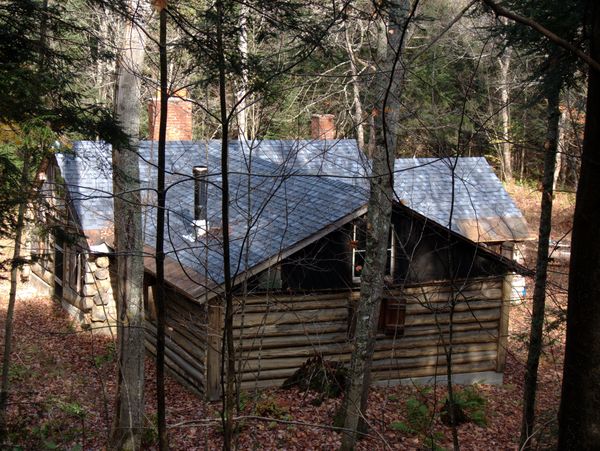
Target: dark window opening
(392, 317)
(359, 246)
(75, 269)
(58, 269)
(270, 279)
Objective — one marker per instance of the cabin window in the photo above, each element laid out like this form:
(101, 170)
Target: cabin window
(359, 245)
(41, 246)
(392, 316)
(75, 270)
(58, 269)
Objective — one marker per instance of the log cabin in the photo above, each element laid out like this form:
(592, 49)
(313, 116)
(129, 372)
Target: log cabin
(297, 227)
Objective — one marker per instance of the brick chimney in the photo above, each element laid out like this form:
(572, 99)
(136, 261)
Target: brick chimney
(322, 126)
(179, 117)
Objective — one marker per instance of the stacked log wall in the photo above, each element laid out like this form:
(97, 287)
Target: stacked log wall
(185, 340)
(276, 334)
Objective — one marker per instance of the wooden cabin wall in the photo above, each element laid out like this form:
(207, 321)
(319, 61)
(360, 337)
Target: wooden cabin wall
(185, 336)
(88, 280)
(325, 264)
(277, 333)
(423, 252)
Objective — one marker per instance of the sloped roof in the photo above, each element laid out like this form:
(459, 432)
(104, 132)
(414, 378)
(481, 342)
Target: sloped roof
(285, 207)
(299, 190)
(461, 193)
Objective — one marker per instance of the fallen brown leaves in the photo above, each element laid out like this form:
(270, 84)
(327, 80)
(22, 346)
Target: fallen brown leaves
(63, 390)
(63, 387)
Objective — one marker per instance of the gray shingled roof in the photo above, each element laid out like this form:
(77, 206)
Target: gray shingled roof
(463, 193)
(285, 207)
(297, 188)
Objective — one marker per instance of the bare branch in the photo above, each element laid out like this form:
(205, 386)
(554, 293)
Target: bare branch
(500, 11)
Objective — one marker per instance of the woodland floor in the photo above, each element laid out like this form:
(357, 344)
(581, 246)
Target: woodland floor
(63, 387)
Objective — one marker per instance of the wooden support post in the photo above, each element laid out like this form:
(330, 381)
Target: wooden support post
(213, 357)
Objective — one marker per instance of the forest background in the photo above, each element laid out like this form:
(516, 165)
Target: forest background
(473, 84)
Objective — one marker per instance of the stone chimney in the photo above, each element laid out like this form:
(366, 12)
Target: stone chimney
(322, 126)
(179, 117)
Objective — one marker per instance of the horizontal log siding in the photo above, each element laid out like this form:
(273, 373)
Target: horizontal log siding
(185, 341)
(276, 334)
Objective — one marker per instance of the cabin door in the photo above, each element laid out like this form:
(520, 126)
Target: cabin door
(58, 269)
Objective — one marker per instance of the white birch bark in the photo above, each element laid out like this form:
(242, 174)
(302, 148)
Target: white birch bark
(505, 144)
(242, 93)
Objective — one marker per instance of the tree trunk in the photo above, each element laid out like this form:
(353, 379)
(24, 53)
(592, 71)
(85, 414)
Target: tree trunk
(505, 145)
(163, 440)
(129, 411)
(358, 109)
(242, 104)
(539, 292)
(561, 147)
(12, 297)
(386, 100)
(579, 417)
(16, 260)
(228, 354)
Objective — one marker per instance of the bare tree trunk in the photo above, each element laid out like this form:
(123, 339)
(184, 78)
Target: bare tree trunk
(358, 109)
(12, 297)
(242, 104)
(506, 147)
(386, 94)
(541, 270)
(16, 260)
(579, 416)
(228, 352)
(161, 314)
(561, 147)
(129, 411)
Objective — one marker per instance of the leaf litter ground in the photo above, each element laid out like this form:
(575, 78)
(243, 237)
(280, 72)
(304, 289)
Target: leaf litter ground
(63, 387)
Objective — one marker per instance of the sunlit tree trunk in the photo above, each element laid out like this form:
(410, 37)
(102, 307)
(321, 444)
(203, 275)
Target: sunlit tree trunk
(242, 104)
(386, 92)
(358, 108)
(129, 412)
(12, 297)
(505, 144)
(561, 149)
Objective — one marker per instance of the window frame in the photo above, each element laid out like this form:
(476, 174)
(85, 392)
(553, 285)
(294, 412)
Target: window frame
(75, 270)
(59, 268)
(391, 250)
(392, 306)
(386, 326)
